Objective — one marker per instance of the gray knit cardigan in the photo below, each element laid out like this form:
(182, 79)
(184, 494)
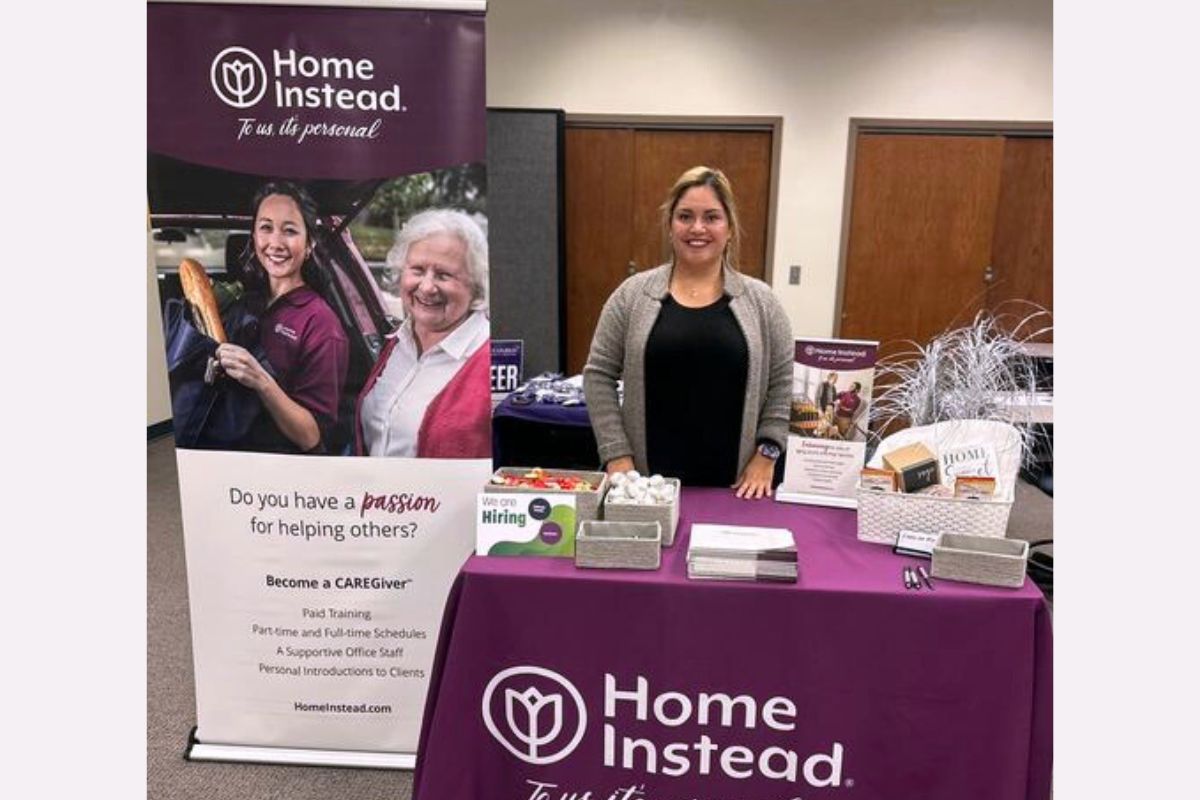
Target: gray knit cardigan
(619, 351)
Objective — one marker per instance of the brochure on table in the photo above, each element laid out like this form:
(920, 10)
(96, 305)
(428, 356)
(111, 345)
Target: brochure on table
(832, 381)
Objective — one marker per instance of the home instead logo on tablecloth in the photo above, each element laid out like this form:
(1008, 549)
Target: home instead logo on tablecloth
(539, 716)
(539, 726)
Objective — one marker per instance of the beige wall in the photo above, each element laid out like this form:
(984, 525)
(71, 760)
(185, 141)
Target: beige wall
(158, 396)
(815, 63)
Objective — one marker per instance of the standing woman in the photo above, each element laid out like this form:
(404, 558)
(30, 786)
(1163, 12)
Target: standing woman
(306, 349)
(705, 353)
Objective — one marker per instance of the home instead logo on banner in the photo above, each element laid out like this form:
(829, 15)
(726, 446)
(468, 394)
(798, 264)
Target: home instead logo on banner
(540, 717)
(240, 79)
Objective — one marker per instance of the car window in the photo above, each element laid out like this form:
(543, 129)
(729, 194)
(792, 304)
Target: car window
(172, 245)
(373, 243)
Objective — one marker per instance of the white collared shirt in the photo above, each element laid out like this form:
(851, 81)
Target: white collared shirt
(393, 410)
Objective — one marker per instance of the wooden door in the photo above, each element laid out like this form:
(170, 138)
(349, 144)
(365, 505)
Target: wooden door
(599, 237)
(1023, 242)
(660, 157)
(616, 179)
(942, 227)
(922, 214)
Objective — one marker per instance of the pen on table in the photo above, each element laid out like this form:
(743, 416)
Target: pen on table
(915, 579)
(907, 579)
(925, 577)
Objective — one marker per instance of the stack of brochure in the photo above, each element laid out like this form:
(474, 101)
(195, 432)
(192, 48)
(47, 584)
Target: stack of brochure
(728, 552)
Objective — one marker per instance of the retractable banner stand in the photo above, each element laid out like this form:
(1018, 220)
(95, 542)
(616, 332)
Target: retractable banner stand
(329, 376)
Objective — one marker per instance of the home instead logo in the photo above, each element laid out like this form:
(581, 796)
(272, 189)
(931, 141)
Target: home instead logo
(300, 80)
(238, 77)
(537, 725)
(542, 728)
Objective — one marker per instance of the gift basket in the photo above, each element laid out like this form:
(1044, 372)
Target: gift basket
(882, 515)
(950, 396)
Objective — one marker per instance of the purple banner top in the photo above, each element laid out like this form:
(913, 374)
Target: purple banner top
(307, 92)
(836, 354)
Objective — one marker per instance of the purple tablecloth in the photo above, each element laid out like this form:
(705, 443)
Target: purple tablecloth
(543, 435)
(545, 413)
(551, 680)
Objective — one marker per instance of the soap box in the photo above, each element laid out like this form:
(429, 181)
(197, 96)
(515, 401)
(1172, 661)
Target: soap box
(915, 466)
(877, 480)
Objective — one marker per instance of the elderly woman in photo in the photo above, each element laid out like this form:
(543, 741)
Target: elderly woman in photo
(429, 394)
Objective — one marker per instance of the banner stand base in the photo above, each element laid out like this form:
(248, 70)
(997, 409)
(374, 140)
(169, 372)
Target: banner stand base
(831, 500)
(296, 756)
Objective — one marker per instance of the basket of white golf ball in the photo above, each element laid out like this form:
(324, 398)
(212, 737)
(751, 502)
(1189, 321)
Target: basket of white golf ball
(633, 497)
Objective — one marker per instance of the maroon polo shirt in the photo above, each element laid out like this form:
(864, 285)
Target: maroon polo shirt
(308, 351)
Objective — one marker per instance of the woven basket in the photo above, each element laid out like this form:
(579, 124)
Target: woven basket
(618, 545)
(974, 559)
(587, 504)
(665, 514)
(882, 515)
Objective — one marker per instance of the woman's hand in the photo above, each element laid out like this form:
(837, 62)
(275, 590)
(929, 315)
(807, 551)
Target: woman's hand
(239, 364)
(293, 420)
(755, 482)
(622, 464)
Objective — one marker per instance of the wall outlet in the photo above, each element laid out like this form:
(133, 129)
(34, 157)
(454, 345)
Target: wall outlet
(794, 275)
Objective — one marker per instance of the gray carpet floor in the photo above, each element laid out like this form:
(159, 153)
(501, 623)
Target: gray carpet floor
(171, 701)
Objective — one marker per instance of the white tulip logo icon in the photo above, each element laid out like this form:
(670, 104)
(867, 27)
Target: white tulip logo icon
(534, 719)
(238, 77)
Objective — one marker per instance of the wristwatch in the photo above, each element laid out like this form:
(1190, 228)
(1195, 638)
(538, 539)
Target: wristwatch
(768, 449)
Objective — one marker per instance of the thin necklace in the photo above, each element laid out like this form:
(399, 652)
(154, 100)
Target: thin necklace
(693, 292)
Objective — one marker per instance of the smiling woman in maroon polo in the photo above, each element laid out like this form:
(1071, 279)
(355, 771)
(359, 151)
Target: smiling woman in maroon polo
(306, 348)
(429, 395)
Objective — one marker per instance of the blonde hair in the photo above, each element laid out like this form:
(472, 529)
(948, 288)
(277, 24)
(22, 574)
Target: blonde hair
(715, 180)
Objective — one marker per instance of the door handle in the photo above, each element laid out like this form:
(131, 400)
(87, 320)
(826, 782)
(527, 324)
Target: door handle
(631, 269)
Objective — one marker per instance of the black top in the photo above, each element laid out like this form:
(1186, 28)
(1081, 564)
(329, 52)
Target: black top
(696, 362)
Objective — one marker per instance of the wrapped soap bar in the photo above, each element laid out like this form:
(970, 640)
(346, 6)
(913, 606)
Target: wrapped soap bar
(974, 487)
(877, 480)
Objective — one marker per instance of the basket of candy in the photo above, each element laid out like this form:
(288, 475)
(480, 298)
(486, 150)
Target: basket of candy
(587, 487)
(637, 498)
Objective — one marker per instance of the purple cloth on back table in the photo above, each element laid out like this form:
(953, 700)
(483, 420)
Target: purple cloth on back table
(941, 695)
(543, 435)
(547, 413)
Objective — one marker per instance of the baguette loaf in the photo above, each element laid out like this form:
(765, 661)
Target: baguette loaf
(197, 288)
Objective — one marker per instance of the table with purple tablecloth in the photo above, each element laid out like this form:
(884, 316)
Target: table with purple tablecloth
(553, 682)
(542, 435)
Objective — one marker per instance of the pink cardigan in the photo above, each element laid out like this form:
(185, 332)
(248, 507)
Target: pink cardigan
(458, 421)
